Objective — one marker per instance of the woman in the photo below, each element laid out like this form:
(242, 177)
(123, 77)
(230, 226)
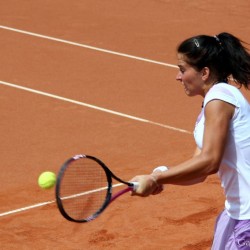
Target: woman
(222, 132)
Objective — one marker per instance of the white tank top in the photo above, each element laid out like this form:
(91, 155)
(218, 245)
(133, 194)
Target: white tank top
(234, 170)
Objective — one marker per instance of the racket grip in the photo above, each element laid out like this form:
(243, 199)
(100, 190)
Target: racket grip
(135, 185)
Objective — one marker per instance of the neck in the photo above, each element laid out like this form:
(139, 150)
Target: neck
(208, 86)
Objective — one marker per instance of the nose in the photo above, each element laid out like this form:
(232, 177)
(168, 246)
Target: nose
(178, 76)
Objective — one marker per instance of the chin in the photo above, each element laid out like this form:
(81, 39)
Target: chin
(187, 93)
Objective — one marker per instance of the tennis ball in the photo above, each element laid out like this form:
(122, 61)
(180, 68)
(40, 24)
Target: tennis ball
(47, 180)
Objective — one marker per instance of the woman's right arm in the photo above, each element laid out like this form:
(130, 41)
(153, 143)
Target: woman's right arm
(198, 180)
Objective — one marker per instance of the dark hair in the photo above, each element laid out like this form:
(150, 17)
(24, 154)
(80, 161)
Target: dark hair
(223, 54)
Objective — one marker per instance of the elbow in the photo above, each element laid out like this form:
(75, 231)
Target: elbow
(213, 170)
(212, 165)
(210, 160)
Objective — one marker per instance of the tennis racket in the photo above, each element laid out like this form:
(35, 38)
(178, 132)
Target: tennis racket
(84, 188)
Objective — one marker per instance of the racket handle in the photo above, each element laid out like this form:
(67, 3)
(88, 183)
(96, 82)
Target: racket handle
(135, 185)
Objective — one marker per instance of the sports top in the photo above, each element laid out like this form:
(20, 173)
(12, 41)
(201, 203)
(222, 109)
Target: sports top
(234, 170)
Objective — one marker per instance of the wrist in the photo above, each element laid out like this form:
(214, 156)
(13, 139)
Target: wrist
(157, 172)
(154, 179)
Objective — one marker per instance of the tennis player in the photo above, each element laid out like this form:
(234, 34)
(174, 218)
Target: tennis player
(207, 66)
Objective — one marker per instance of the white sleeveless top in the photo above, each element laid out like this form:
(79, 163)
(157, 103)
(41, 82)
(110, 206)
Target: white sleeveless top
(234, 170)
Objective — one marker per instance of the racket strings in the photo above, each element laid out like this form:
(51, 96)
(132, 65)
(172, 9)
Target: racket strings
(83, 189)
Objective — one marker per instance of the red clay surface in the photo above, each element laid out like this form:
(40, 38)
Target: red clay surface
(39, 133)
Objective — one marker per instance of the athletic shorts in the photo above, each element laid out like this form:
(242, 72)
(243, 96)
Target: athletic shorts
(231, 234)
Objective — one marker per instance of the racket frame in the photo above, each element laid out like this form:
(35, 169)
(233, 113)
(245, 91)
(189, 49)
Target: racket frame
(108, 199)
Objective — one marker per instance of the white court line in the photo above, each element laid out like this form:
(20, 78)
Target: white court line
(27, 208)
(53, 201)
(87, 46)
(93, 107)
(80, 103)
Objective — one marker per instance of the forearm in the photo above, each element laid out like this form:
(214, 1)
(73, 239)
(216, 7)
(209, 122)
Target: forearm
(197, 180)
(190, 172)
(192, 182)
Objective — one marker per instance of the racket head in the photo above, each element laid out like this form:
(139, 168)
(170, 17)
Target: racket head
(83, 188)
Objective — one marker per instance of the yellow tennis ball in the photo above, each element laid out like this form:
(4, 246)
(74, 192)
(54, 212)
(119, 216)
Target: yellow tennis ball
(47, 180)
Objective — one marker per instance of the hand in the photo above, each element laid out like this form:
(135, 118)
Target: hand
(147, 185)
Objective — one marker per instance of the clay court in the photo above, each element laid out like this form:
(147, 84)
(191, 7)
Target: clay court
(98, 77)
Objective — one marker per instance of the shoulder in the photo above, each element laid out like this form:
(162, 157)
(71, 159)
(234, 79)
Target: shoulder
(223, 92)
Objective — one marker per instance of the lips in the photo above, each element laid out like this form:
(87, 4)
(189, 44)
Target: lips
(185, 87)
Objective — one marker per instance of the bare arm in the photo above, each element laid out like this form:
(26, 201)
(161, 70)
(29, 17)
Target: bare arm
(197, 151)
(218, 115)
(217, 119)
(197, 180)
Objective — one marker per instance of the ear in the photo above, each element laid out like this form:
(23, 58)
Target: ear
(205, 73)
